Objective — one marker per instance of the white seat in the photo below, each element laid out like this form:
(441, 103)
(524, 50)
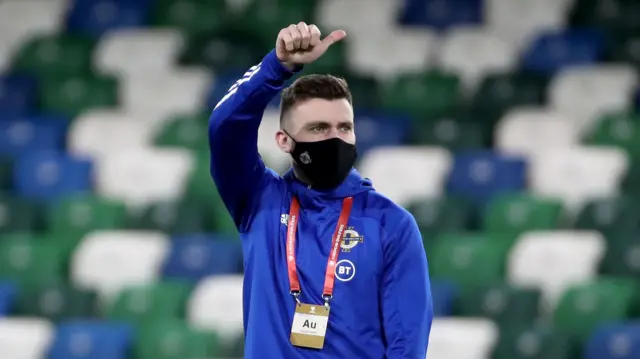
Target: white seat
(473, 52)
(98, 133)
(216, 305)
(517, 22)
(25, 338)
(155, 51)
(271, 154)
(586, 93)
(577, 174)
(554, 260)
(165, 94)
(462, 338)
(339, 14)
(108, 261)
(145, 175)
(406, 173)
(527, 130)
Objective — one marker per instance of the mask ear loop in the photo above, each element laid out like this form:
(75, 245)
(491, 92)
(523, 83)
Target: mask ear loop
(291, 138)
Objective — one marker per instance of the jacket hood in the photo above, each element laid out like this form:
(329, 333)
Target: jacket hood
(309, 197)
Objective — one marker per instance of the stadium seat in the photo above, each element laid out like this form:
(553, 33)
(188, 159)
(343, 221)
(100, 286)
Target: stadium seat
(185, 131)
(81, 339)
(614, 341)
(56, 302)
(6, 173)
(71, 95)
(441, 14)
(216, 305)
(460, 338)
(8, 291)
(525, 341)
(185, 216)
(554, 260)
(585, 306)
(32, 263)
(556, 50)
(338, 14)
(443, 296)
(19, 215)
(25, 338)
(140, 177)
(150, 302)
(474, 53)
(609, 215)
(451, 133)
(478, 176)
(270, 153)
(18, 94)
(406, 173)
(189, 16)
(503, 303)
(49, 175)
(622, 257)
(526, 131)
(174, 339)
(587, 92)
(25, 135)
(468, 259)
(378, 130)
(95, 18)
(439, 215)
(622, 49)
(60, 54)
(616, 17)
(107, 261)
(577, 174)
(193, 257)
(156, 51)
(514, 214)
(99, 133)
(620, 130)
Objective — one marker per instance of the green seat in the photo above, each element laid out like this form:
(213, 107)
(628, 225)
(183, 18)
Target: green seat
(613, 16)
(423, 94)
(61, 54)
(514, 214)
(6, 174)
(365, 90)
(532, 342)
(71, 95)
(623, 48)
(177, 217)
(503, 303)
(333, 62)
(620, 130)
(57, 302)
(187, 131)
(622, 256)
(164, 300)
(228, 50)
(32, 263)
(174, 339)
(584, 306)
(449, 133)
(500, 92)
(609, 215)
(19, 215)
(469, 259)
(192, 17)
(435, 216)
(75, 216)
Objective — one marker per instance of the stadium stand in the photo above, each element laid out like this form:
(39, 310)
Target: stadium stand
(510, 129)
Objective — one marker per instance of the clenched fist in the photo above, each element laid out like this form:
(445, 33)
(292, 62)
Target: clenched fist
(301, 44)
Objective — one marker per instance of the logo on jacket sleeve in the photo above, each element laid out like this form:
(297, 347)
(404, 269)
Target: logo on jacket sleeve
(350, 239)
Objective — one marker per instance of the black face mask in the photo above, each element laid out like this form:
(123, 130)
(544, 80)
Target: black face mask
(325, 163)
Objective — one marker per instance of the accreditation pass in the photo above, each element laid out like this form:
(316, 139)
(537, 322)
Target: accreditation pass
(309, 325)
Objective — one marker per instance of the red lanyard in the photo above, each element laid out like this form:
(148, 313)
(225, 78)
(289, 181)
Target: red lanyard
(329, 277)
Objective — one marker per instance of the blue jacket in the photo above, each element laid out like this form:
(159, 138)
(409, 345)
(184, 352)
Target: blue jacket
(382, 299)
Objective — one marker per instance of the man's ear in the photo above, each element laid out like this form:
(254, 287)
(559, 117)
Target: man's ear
(283, 141)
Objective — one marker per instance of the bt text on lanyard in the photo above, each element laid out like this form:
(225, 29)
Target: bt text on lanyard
(310, 321)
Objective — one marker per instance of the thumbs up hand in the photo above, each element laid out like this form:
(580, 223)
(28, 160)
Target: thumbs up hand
(301, 44)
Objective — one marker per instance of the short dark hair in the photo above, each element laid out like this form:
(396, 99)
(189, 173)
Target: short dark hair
(327, 87)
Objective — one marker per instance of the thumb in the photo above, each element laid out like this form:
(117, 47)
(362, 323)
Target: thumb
(333, 37)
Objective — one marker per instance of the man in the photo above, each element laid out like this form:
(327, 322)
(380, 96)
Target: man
(333, 269)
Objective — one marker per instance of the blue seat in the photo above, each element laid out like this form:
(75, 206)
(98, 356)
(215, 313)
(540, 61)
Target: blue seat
(97, 17)
(31, 134)
(49, 174)
(553, 51)
(97, 339)
(8, 292)
(193, 257)
(441, 14)
(18, 95)
(375, 130)
(614, 341)
(479, 176)
(443, 294)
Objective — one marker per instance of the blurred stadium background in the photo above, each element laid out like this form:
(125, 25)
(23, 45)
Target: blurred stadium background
(510, 128)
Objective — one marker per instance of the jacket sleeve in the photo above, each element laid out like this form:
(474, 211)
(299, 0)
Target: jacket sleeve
(236, 166)
(407, 306)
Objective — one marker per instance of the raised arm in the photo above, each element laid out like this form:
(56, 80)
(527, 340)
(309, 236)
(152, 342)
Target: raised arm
(236, 167)
(407, 306)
